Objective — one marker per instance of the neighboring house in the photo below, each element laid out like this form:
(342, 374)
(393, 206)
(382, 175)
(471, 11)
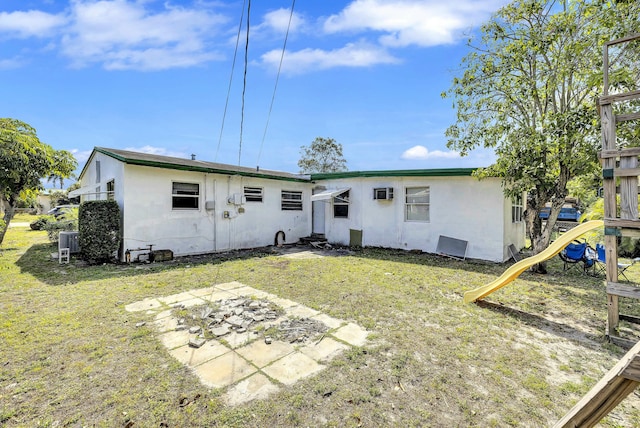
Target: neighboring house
(194, 207)
(44, 203)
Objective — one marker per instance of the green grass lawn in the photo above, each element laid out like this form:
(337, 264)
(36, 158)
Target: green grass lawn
(70, 355)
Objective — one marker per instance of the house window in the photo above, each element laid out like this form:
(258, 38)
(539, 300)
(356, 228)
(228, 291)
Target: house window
(185, 196)
(416, 204)
(253, 194)
(97, 171)
(516, 209)
(111, 188)
(291, 200)
(341, 205)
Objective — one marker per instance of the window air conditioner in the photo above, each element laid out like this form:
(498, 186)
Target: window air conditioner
(69, 240)
(384, 193)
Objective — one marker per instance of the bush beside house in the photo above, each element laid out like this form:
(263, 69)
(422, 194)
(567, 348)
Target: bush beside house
(99, 230)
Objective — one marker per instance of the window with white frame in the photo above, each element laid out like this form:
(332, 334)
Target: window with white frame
(416, 204)
(185, 196)
(291, 200)
(253, 194)
(517, 209)
(341, 205)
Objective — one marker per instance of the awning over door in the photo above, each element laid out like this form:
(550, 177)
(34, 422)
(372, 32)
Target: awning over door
(328, 194)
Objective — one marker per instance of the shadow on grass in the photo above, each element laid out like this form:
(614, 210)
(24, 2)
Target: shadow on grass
(561, 330)
(38, 262)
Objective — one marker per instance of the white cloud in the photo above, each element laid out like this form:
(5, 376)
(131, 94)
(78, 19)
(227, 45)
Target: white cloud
(32, 23)
(81, 155)
(412, 22)
(422, 153)
(351, 55)
(151, 150)
(278, 20)
(124, 35)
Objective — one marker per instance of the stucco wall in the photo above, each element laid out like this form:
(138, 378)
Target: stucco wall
(460, 207)
(150, 219)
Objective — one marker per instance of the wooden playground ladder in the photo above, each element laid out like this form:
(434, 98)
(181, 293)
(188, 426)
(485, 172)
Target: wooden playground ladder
(624, 377)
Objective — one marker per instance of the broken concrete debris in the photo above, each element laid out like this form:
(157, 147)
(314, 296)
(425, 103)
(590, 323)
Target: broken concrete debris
(244, 314)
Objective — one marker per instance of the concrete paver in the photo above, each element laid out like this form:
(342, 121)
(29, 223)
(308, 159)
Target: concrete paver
(143, 305)
(256, 386)
(195, 356)
(261, 354)
(352, 334)
(224, 370)
(292, 368)
(324, 350)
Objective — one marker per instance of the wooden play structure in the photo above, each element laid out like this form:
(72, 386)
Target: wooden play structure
(620, 172)
(618, 165)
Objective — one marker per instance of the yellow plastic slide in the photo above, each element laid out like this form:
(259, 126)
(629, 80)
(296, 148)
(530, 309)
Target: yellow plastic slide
(514, 271)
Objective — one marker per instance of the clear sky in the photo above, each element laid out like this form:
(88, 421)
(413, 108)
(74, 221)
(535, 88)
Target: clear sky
(153, 76)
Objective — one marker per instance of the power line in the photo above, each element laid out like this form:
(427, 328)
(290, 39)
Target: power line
(233, 65)
(284, 46)
(244, 82)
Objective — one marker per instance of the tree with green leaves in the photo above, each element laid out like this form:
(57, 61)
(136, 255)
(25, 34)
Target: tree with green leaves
(24, 162)
(322, 155)
(529, 89)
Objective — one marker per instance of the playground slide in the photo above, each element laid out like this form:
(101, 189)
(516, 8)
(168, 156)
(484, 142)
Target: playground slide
(514, 271)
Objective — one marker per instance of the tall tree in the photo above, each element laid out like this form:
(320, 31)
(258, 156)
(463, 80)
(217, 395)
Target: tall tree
(529, 91)
(24, 162)
(322, 155)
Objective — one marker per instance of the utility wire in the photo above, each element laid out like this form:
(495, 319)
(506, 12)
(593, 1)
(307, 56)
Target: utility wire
(244, 83)
(273, 97)
(233, 65)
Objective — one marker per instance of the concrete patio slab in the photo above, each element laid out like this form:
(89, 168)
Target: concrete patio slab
(261, 354)
(243, 361)
(330, 322)
(352, 334)
(301, 311)
(257, 386)
(236, 340)
(229, 285)
(218, 295)
(175, 298)
(174, 339)
(284, 303)
(324, 350)
(203, 292)
(224, 370)
(142, 305)
(196, 356)
(303, 255)
(166, 324)
(290, 369)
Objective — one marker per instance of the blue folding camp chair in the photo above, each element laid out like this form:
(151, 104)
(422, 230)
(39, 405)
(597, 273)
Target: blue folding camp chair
(601, 262)
(578, 252)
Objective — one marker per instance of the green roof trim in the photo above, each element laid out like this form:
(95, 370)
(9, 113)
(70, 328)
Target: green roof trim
(439, 172)
(166, 162)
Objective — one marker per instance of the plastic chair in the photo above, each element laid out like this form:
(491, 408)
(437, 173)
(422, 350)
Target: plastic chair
(602, 262)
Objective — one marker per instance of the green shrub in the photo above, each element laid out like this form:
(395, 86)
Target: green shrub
(39, 223)
(54, 228)
(99, 230)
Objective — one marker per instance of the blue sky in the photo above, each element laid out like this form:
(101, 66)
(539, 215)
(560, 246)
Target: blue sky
(153, 76)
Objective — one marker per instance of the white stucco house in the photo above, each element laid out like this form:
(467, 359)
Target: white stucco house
(194, 207)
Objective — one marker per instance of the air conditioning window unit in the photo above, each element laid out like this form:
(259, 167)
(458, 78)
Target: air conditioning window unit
(69, 240)
(383, 193)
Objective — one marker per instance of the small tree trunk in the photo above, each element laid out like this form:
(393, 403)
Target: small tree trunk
(8, 215)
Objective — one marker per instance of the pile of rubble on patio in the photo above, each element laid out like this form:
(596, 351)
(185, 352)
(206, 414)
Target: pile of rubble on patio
(244, 314)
